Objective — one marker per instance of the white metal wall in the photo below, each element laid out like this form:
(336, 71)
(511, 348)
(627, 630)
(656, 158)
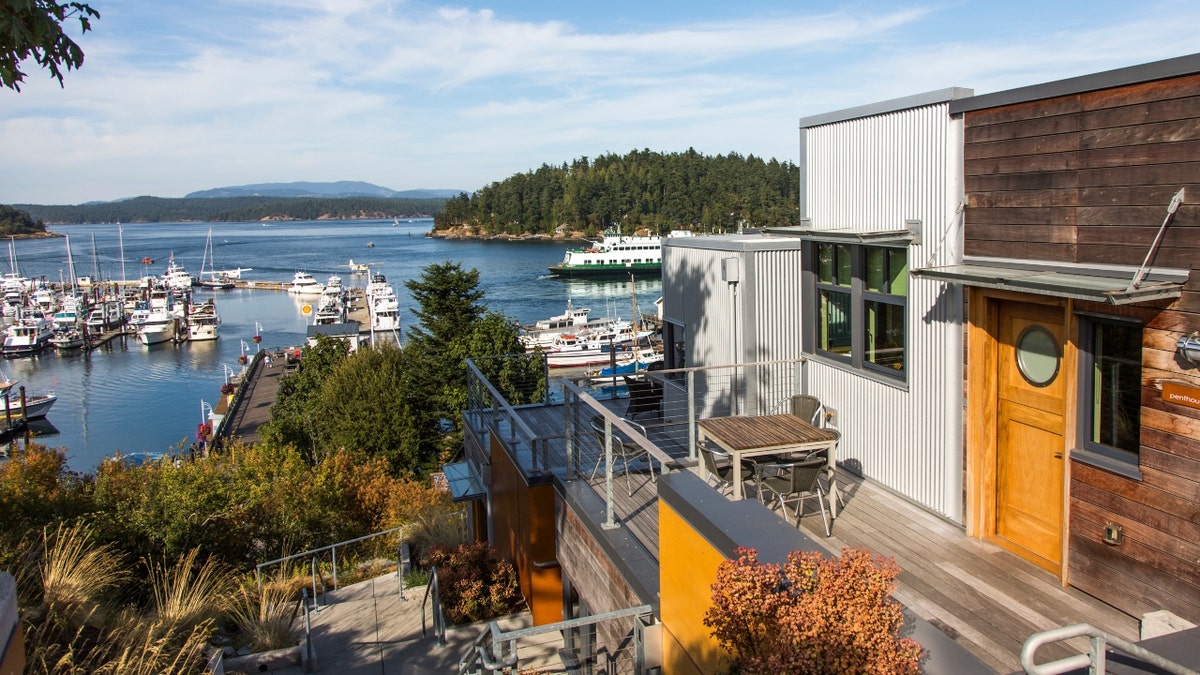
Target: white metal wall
(872, 174)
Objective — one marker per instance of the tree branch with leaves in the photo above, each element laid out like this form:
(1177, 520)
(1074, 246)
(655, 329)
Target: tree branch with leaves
(34, 28)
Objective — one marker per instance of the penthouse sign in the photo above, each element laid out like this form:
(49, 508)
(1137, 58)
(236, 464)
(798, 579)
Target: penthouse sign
(1182, 394)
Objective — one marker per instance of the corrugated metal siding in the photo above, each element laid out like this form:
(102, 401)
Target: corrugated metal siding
(697, 297)
(774, 299)
(868, 175)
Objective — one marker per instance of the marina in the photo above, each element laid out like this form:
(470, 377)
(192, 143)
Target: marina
(123, 396)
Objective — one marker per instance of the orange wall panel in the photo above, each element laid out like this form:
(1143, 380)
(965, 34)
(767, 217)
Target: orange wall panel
(687, 569)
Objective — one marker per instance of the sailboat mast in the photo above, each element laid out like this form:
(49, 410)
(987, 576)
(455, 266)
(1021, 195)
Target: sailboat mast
(121, 241)
(95, 261)
(70, 263)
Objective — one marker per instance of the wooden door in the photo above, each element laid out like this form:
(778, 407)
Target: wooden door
(1029, 433)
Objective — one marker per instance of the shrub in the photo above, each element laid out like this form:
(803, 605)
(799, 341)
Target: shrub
(811, 615)
(475, 584)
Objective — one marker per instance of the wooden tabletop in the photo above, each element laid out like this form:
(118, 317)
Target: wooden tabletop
(763, 431)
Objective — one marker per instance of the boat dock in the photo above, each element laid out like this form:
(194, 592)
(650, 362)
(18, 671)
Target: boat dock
(252, 408)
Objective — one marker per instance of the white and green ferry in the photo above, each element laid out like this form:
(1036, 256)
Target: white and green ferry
(615, 255)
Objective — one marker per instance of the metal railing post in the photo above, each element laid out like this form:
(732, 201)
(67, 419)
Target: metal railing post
(316, 606)
(609, 521)
(690, 394)
(569, 430)
(335, 585)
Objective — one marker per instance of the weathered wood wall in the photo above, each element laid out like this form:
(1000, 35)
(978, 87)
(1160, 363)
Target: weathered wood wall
(1086, 179)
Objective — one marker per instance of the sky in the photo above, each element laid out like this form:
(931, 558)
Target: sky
(177, 96)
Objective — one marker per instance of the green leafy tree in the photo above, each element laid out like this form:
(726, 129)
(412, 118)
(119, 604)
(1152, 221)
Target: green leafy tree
(297, 416)
(35, 28)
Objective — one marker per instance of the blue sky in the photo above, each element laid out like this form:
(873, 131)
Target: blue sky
(182, 96)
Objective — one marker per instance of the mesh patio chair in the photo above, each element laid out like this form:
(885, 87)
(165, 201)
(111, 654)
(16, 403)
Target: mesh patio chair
(794, 482)
(623, 448)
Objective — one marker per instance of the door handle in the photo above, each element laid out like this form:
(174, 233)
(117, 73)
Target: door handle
(1058, 455)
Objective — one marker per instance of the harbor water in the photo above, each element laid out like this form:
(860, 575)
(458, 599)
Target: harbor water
(128, 398)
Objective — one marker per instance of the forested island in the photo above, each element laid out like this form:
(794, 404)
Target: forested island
(19, 224)
(235, 209)
(639, 190)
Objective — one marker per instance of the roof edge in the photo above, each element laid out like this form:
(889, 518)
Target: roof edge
(1146, 72)
(892, 105)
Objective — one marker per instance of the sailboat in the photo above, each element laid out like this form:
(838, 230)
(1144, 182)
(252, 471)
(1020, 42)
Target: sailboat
(210, 278)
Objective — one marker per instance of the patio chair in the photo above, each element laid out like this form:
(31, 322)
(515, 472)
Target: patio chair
(623, 448)
(808, 408)
(794, 482)
(645, 395)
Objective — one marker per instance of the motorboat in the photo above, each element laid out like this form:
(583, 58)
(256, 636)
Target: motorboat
(29, 335)
(543, 332)
(36, 405)
(106, 315)
(66, 339)
(160, 326)
(176, 277)
(594, 349)
(203, 322)
(385, 310)
(303, 283)
(629, 364)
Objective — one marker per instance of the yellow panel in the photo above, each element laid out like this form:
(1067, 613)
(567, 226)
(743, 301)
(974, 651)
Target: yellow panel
(687, 569)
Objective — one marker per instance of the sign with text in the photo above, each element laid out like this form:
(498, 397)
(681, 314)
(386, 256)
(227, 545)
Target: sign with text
(1183, 394)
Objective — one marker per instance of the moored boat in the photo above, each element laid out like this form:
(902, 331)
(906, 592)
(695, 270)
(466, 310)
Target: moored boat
(303, 283)
(66, 339)
(203, 322)
(36, 405)
(29, 335)
(160, 326)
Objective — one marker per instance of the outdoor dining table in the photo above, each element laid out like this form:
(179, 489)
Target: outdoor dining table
(750, 436)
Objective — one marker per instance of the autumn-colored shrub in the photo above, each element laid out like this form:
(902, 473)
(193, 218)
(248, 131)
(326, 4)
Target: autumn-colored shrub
(811, 615)
(475, 584)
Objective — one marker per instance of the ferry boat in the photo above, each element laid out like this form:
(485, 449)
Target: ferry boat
(615, 255)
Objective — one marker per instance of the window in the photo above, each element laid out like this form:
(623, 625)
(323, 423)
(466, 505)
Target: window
(1112, 389)
(861, 300)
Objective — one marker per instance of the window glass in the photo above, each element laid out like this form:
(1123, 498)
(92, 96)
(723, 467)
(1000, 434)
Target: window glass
(825, 263)
(876, 270)
(897, 271)
(834, 322)
(1117, 385)
(842, 260)
(884, 334)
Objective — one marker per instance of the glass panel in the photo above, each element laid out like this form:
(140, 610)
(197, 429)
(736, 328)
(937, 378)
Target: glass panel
(834, 321)
(898, 269)
(843, 265)
(884, 334)
(1037, 356)
(825, 263)
(1117, 386)
(875, 269)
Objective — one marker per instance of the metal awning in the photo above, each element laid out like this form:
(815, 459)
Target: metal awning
(1074, 283)
(464, 481)
(895, 237)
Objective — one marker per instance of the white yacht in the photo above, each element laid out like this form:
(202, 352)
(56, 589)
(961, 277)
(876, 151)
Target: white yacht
(383, 305)
(176, 277)
(159, 327)
(303, 283)
(203, 322)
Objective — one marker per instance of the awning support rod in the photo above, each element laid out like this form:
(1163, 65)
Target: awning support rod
(1140, 275)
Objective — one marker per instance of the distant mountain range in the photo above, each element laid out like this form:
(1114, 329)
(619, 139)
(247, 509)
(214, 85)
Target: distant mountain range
(344, 188)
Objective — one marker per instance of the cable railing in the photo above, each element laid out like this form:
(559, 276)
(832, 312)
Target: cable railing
(1096, 658)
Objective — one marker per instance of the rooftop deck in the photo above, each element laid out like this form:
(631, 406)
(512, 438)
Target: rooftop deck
(983, 597)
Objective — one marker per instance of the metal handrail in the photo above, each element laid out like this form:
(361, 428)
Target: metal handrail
(439, 616)
(480, 654)
(316, 574)
(1096, 657)
(259, 567)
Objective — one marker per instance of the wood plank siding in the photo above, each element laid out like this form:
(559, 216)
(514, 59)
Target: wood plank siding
(1085, 178)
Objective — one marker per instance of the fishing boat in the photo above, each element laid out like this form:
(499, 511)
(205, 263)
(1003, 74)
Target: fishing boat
(615, 254)
(303, 283)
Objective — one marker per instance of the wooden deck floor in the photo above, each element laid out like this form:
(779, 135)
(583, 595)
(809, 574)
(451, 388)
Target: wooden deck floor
(983, 597)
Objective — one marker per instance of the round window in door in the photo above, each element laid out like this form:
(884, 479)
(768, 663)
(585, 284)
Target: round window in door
(1037, 356)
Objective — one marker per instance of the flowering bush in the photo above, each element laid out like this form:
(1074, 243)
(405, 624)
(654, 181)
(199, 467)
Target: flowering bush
(474, 583)
(811, 615)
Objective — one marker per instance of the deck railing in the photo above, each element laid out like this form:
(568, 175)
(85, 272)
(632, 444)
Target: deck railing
(668, 413)
(333, 549)
(1096, 658)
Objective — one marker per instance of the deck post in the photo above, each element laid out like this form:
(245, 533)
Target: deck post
(609, 522)
(691, 414)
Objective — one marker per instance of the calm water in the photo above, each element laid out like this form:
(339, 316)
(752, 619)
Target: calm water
(129, 398)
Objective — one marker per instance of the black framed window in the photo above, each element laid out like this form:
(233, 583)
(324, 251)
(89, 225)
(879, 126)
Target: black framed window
(861, 305)
(1112, 388)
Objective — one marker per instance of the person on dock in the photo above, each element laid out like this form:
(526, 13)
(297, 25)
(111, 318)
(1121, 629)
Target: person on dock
(267, 359)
